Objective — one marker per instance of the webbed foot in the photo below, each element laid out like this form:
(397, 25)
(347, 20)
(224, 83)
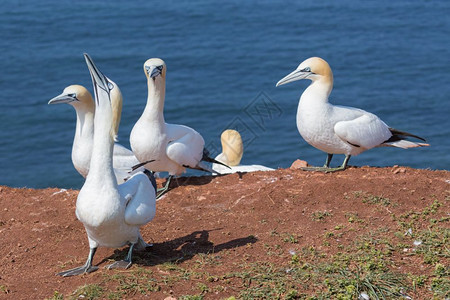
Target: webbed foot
(78, 271)
(121, 264)
(86, 268)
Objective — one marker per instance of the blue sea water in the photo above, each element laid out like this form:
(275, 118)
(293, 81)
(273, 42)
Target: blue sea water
(224, 58)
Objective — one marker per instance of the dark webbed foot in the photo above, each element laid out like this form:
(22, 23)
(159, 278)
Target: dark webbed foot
(78, 271)
(123, 264)
(164, 189)
(86, 268)
(326, 168)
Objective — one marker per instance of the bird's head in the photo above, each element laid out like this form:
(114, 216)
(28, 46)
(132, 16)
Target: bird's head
(314, 68)
(108, 98)
(232, 146)
(155, 68)
(77, 96)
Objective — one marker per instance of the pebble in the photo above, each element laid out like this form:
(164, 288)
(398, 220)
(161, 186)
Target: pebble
(298, 164)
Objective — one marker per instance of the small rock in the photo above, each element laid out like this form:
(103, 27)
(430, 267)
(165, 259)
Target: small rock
(170, 298)
(397, 170)
(201, 198)
(298, 164)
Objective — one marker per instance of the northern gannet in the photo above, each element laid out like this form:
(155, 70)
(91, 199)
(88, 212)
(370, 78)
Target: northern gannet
(338, 129)
(232, 151)
(81, 100)
(173, 148)
(110, 213)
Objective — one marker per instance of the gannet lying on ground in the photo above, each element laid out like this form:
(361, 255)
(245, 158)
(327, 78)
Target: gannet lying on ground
(80, 98)
(111, 214)
(173, 148)
(232, 151)
(338, 129)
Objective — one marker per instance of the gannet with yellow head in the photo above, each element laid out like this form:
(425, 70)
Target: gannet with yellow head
(338, 129)
(81, 100)
(173, 148)
(232, 152)
(110, 213)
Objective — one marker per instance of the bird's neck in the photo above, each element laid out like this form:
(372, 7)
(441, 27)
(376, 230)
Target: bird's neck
(318, 91)
(101, 166)
(154, 109)
(85, 125)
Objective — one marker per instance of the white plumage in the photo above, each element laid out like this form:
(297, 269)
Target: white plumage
(338, 129)
(231, 155)
(173, 148)
(81, 100)
(110, 213)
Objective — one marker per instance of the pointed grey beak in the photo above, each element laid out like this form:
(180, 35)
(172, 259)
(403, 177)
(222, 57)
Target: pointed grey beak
(293, 76)
(63, 98)
(98, 79)
(153, 71)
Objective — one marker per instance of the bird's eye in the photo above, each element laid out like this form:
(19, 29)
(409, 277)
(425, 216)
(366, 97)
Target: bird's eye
(307, 69)
(160, 68)
(110, 86)
(73, 95)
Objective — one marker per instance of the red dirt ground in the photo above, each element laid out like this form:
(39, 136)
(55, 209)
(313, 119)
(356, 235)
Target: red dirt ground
(232, 216)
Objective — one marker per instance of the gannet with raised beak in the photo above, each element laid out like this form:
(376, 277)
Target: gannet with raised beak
(232, 152)
(81, 100)
(173, 148)
(110, 213)
(338, 129)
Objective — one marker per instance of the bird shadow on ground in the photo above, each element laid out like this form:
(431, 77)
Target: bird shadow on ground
(180, 249)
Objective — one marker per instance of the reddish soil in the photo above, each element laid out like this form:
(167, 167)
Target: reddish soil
(233, 216)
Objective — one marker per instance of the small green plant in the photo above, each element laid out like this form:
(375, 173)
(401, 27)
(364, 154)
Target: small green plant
(320, 215)
(372, 199)
(56, 296)
(290, 238)
(191, 297)
(88, 291)
(4, 289)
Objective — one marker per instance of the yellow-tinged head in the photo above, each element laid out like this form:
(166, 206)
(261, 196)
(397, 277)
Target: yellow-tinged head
(155, 67)
(232, 146)
(314, 68)
(76, 95)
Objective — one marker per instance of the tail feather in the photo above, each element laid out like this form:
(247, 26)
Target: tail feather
(398, 139)
(404, 144)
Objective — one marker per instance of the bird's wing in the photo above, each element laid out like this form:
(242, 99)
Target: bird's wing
(123, 162)
(185, 145)
(140, 195)
(123, 158)
(364, 129)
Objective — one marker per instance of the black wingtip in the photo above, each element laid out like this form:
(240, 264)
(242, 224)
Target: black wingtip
(399, 134)
(207, 158)
(135, 167)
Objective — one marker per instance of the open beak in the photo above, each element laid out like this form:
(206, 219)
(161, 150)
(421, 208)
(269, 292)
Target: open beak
(293, 76)
(63, 98)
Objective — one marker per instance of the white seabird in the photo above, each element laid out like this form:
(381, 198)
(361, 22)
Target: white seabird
(232, 152)
(81, 100)
(111, 213)
(173, 148)
(338, 129)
